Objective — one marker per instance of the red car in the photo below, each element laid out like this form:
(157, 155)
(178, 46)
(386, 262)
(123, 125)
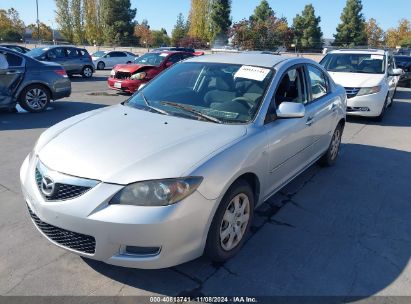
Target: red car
(129, 77)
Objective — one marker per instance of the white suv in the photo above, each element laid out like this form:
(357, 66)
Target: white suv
(369, 77)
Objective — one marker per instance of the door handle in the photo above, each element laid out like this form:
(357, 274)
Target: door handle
(310, 121)
(12, 72)
(334, 107)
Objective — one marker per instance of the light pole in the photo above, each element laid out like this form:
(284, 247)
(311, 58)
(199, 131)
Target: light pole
(52, 31)
(38, 21)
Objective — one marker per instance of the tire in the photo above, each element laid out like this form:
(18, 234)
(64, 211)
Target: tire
(392, 99)
(329, 158)
(101, 65)
(223, 241)
(35, 98)
(87, 72)
(384, 109)
(128, 62)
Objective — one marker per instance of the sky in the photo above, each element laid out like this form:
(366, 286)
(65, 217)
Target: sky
(163, 13)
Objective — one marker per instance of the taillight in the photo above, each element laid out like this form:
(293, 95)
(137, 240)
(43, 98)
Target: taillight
(61, 73)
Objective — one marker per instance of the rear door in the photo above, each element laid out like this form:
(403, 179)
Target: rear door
(74, 63)
(118, 58)
(11, 74)
(59, 56)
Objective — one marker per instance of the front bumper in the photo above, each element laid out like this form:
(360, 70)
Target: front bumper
(371, 104)
(179, 231)
(126, 85)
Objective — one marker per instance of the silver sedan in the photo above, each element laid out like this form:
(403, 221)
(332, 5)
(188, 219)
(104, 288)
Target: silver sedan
(178, 169)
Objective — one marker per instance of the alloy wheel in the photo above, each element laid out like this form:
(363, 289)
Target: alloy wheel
(36, 99)
(87, 72)
(235, 221)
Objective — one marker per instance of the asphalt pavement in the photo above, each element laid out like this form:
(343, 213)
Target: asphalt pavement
(340, 231)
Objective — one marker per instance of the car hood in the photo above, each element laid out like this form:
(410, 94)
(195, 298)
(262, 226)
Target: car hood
(357, 80)
(122, 145)
(131, 68)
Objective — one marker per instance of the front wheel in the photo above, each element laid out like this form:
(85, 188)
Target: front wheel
(329, 158)
(383, 110)
(231, 223)
(35, 98)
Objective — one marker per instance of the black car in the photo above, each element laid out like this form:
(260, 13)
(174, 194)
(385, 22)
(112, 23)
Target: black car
(172, 48)
(404, 63)
(30, 83)
(73, 59)
(17, 48)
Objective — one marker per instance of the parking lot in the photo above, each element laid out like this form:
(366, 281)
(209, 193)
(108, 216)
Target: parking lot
(339, 231)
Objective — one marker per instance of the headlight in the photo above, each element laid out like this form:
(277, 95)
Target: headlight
(157, 192)
(138, 76)
(113, 72)
(368, 91)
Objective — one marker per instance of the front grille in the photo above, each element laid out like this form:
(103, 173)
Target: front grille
(61, 191)
(73, 240)
(352, 92)
(122, 75)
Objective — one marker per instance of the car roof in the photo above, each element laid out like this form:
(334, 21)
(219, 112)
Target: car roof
(262, 59)
(358, 51)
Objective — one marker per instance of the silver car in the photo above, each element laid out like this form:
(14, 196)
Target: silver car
(178, 169)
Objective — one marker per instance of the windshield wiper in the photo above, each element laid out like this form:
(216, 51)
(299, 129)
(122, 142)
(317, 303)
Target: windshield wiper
(151, 107)
(193, 111)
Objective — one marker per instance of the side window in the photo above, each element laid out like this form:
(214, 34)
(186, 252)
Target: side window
(117, 54)
(318, 82)
(292, 87)
(72, 53)
(14, 60)
(185, 56)
(56, 53)
(174, 58)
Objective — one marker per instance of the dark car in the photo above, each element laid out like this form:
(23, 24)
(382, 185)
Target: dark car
(404, 63)
(74, 60)
(129, 77)
(30, 83)
(17, 48)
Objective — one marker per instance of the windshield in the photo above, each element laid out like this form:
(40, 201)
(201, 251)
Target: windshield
(354, 63)
(99, 54)
(37, 52)
(217, 92)
(151, 59)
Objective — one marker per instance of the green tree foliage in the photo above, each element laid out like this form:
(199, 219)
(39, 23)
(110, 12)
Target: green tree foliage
(220, 20)
(46, 33)
(262, 12)
(117, 21)
(200, 20)
(143, 33)
(351, 30)
(11, 26)
(307, 30)
(76, 10)
(92, 25)
(399, 36)
(375, 34)
(64, 19)
(179, 31)
(160, 38)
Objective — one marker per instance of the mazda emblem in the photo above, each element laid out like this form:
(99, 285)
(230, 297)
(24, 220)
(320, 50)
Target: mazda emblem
(47, 186)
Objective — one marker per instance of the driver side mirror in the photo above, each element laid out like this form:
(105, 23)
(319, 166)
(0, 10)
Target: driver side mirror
(291, 110)
(396, 72)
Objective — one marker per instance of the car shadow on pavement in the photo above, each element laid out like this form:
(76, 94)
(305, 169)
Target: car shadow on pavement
(57, 112)
(76, 78)
(398, 115)
(341, 231)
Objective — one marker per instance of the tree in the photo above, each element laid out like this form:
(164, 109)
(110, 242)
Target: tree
(375, 34)
(200, 19)
(400, 35)
(351, 30)
(46, 33)
(92, 25)
(160, 38)
(262, 12)
(180, 30)
(64, 19)
(220, 20)
(117, 21)
(11, 26)
(76, 11)
(143, 33)
(307, 30)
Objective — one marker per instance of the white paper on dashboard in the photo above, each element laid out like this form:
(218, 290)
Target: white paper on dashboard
(252, 72)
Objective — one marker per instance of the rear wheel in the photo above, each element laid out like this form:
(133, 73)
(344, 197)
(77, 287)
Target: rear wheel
(329, 158)
(87, 72)
(101, 65)
(231, 223)
(35, 98)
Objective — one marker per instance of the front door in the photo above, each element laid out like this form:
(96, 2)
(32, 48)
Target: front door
(11, 74)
